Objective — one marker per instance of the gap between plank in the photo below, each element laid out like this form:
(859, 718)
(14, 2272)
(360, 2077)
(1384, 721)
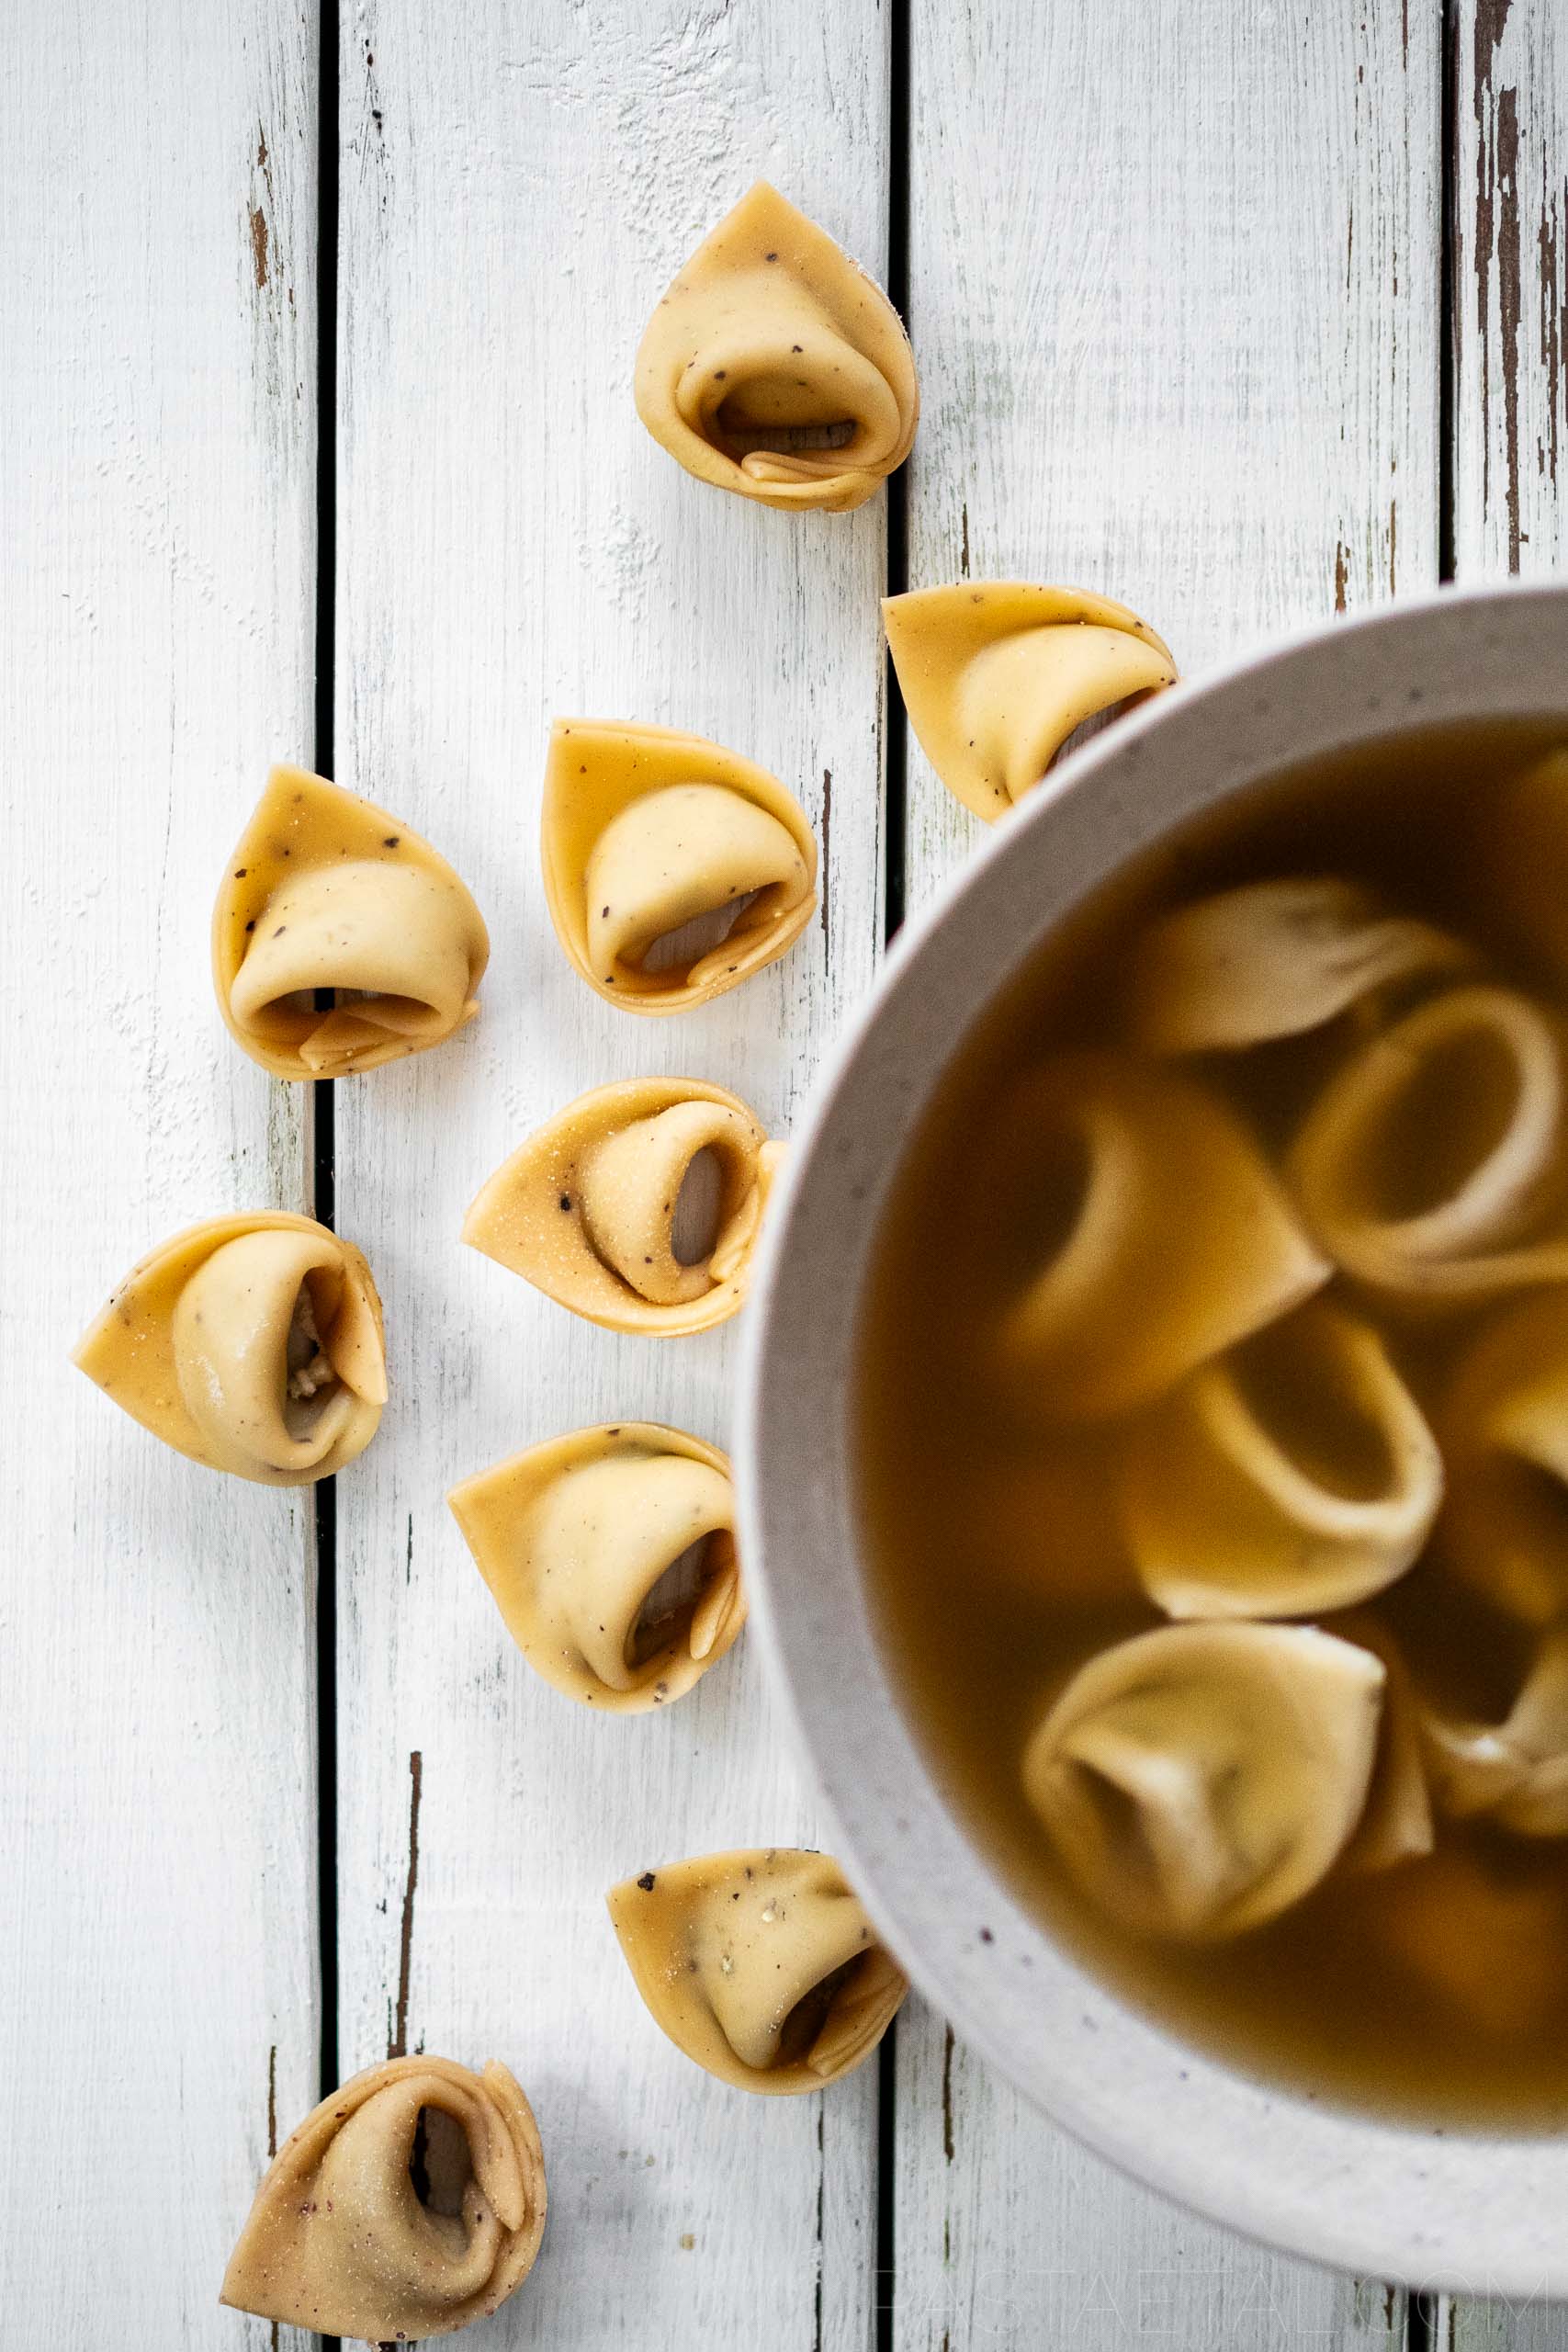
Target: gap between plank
(322, 1100)
(896, 738)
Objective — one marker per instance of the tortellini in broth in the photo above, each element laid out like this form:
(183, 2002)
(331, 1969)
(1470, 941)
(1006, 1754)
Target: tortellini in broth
(1257, 1368)
(1199, 1780)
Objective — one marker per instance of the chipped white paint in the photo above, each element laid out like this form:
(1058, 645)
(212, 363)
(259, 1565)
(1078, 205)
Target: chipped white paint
(157, 1931)
(519, 186)
(1174, 293)
(1510, 323)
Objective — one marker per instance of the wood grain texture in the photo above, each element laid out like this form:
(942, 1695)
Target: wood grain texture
(1174, 281)
(158, 1935)
(519, 186)
(1509, 67)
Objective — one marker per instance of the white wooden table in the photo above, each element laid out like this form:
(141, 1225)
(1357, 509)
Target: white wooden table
(317, 442)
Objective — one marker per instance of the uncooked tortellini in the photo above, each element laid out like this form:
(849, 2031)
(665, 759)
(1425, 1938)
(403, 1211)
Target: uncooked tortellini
(586, 1209)
(1515, 1771)
(996, 674)
(1295, 1475)
(1273, 959)
(327, 892)
(646, 829)
(776, 368)
(1160, 1234)
(407, 2204)
(1504, 1427)
(1432, 1165)
(611, 1554)
(1199, 1780)
(762, 1966)
(252, 1343)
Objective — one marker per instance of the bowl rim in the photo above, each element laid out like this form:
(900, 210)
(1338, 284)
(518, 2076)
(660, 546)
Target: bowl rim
(1440, 2206)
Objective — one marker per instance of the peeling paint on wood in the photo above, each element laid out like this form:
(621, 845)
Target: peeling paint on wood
(490, 445)
(158, 1933)
(1509, 388)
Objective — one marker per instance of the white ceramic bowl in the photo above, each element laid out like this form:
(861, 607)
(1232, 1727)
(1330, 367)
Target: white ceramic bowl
(1484, 2214)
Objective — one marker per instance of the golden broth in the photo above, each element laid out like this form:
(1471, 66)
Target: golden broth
(1437, 1989)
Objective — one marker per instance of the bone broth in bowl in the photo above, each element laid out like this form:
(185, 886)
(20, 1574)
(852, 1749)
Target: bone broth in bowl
(1155, 1446)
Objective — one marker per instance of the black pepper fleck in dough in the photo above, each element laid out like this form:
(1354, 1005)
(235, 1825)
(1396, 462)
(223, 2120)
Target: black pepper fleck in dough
(770, 257)
(390, 840)
(251, 925)
(566, 1200)
(239, 872)
(645, 1881)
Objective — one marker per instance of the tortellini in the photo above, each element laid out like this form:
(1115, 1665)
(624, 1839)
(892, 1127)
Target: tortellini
(774, 366)
(611, 1554)
(254, 1344)
(407, 2204)
(1516, 1772)
(1505, 1425)
(325, 892)
(586, 1209)
(1159, 1235)
(646, 829)
(1295, 1475)
(1274, 960)
(1431, 1167)
(996, 674)
(1199, 1780)
(762, 1966)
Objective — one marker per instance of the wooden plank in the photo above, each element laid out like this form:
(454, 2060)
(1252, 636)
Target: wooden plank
(1508, 66)
(1174, 292)
(158, 1935)
(518, 188)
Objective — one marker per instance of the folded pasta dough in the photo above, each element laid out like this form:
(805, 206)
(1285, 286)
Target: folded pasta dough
(1432, 1167)
(254, 1344)
(326, 891)
(611, 1554)
(996, 674)
(1294, 1476)
(1160, 1235)
(407, 2204)
(646, 829)
(1396, 1824)
(1514, 1772)
(1201, 1780)
(1274, 960)
(760, 1965)
(585, 1210)
(776, 368)
(1504, 1432)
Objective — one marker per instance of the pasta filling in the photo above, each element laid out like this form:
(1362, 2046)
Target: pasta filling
(441, 2163)
(310, 1381)
(669, 1606)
